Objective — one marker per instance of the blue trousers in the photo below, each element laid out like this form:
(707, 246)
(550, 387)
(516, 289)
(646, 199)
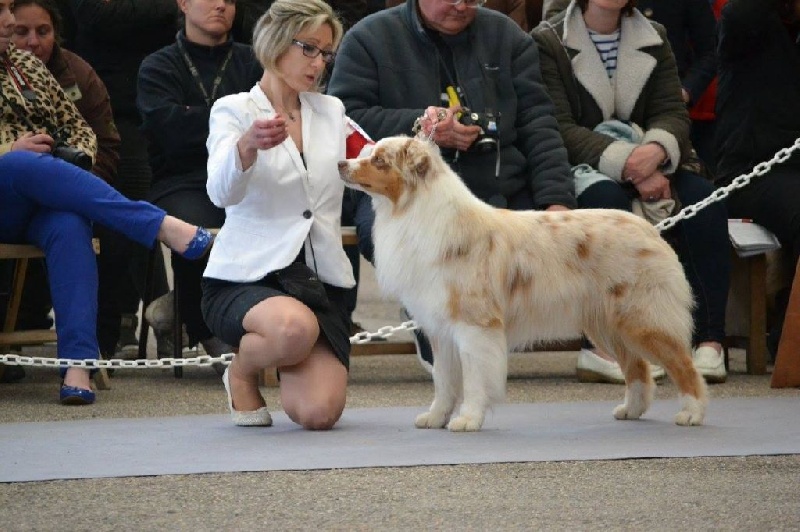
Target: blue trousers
(701, 243)
(52, 204)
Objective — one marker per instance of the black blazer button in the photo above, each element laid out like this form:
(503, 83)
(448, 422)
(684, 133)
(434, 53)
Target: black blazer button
(306, 214)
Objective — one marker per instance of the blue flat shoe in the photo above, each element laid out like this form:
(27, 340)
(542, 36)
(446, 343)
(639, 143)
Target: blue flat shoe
(199, 245)
(71, 395)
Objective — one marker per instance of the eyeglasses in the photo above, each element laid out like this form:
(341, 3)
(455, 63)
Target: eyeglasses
(469, 3)
(309, 50)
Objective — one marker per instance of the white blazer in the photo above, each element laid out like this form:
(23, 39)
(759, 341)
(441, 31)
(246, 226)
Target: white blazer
(279, 204)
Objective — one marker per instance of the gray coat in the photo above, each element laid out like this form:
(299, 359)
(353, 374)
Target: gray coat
(646, 90)
(387, 72)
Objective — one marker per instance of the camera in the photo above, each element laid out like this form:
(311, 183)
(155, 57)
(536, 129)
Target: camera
(72, 155)
(487, 140)
(67, 153)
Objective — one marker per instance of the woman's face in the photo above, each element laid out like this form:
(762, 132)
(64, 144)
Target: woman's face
(6, 24)
(299, 71)
(34, 31)
(208, 21)
(608, 5)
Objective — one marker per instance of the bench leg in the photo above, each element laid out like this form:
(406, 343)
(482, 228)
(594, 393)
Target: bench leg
(786, 373)
(757, 340)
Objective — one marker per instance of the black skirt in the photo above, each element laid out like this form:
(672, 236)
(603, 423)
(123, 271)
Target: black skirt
(225, 304)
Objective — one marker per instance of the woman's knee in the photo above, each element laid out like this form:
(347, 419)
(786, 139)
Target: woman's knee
(319, 414)
(287, 325)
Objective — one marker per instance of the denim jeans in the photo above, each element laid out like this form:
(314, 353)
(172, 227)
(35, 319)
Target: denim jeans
(701, 243)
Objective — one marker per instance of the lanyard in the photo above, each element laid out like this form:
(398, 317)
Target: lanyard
(196, 75)
(19, 80)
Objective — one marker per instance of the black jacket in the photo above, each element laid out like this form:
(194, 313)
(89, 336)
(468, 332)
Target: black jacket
(691, 31)
(758, 108)
(115, 36)
(175, 113)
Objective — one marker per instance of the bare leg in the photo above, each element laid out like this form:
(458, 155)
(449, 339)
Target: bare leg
(314, 392)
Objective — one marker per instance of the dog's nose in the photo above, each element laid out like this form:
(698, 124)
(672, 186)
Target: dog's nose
(342, 165)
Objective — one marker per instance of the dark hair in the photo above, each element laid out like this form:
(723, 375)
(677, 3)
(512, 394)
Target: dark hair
(627, 10)
(52, 10)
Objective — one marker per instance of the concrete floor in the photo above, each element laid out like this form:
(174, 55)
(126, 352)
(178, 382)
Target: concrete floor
(742, 493)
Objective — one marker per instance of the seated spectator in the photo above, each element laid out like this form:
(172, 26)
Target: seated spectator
(52, 204)
(273, 167)
(515, 9)
(38, 30)
(602, 61)
(177, 86)
(432, 57)
(691, 31)
(758, 113)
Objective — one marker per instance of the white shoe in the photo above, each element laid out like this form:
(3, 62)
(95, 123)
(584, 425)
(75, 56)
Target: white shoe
(594, 368)
(159, 312)
(253, 418)
(710, 363)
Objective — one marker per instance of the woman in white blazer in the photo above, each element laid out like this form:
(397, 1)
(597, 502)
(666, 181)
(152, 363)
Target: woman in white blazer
(272, 165)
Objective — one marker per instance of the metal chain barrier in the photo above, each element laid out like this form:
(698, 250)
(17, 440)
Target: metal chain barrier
(384, 332)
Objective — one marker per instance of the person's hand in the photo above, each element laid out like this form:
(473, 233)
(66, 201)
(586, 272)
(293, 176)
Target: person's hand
(36, 142)
(262, 134)
(643, 161)
(558, 208)
(654, 188)
(448, 132)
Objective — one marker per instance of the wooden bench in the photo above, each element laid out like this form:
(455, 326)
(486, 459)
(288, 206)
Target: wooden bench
(22, 254)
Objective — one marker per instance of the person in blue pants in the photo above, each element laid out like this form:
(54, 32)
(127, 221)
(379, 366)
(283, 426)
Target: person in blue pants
(52, 204)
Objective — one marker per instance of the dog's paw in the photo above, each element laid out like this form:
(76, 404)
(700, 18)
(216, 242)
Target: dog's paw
(464, 424)
(623, 411)
(686, 418)
(429, 420)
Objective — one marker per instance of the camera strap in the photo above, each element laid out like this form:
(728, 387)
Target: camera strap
(196, 74)
(19, 79)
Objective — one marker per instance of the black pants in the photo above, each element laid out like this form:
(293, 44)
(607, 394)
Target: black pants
(771, 200)
(194, 206)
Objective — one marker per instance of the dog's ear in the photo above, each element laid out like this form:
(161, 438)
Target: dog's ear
(418, 158)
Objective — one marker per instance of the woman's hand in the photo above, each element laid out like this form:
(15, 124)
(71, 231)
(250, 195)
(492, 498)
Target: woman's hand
(263, 134)
(643, 162)
(449, 132)
(36, 142)
(654, 188)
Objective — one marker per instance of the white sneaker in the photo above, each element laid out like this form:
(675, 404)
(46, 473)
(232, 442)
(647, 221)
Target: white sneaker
(710, 363)
(159, 312)
(594, 368)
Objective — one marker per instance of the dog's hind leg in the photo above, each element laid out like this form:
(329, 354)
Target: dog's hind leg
(674, 355)
(484, 363)
(446, 385)
(677, 362)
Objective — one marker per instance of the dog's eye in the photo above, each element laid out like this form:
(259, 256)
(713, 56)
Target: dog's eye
(378, 161)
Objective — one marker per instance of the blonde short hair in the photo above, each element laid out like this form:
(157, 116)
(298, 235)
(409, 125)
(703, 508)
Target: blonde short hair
(278, 27)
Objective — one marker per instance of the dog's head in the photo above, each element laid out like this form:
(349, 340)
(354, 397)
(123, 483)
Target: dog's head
(394, 168)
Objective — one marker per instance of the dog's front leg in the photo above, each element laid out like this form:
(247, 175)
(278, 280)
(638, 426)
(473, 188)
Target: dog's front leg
(446, 386)
(484, 363)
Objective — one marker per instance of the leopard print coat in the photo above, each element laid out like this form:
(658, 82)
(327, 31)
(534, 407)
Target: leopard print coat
(52, 112)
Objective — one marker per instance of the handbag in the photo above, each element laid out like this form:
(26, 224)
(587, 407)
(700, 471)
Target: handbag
(301, 282)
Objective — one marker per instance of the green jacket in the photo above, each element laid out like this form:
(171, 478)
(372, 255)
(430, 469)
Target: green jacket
(646, 90)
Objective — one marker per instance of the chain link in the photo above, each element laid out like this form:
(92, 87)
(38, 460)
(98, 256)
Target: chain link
(721, 193)
(386, 331)
(202, 360)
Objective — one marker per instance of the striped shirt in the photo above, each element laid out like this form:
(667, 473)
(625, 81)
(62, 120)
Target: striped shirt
(607, 46)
